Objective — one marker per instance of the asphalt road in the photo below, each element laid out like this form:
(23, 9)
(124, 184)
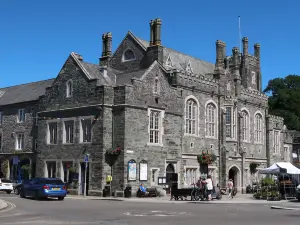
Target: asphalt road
(104, 212)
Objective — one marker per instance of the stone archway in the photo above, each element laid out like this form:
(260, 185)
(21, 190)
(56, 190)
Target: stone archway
(234, 173)
(170, 170)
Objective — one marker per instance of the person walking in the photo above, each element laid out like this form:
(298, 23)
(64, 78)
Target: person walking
(230, 188)
(209, 186)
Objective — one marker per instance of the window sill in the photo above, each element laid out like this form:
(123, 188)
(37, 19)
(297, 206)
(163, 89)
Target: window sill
(190, 135)
(258, 143)
(19, 149)
(208, 137)
(68, 143)
(155, 145)
(20, 122)
(85, 143)
(231, 139)
(247, 142)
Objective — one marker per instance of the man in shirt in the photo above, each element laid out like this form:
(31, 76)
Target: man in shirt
(143, 189)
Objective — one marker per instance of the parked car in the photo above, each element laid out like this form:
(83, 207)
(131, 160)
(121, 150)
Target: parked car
(17, 187)
(298, 192)
(43, 188)
(6, 185)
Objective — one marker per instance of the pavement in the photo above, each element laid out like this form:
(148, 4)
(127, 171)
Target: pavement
(81, 212)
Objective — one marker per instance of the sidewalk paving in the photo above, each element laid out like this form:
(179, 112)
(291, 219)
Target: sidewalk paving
(3, 204)
(239, 199)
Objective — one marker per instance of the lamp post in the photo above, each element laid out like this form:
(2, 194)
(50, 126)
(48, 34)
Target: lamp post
(86, 160)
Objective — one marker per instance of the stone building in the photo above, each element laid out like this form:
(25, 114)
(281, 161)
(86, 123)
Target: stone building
(162, 108)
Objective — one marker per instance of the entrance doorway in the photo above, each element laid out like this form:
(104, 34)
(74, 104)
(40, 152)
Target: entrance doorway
(83, 168)
(170, 170)
(234, 174)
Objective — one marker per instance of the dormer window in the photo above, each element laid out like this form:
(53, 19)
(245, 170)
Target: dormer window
(128, 55)
(169, 62)
(253, 77)
(228, 86)
(189, 68)
(69, 89)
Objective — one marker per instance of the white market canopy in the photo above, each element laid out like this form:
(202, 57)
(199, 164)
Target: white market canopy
(280, 167)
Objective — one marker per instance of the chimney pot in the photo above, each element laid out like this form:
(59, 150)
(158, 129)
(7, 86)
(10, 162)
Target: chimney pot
(245, 46)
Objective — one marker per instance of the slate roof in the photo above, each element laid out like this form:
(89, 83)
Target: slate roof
(24, 92)
(180, 60)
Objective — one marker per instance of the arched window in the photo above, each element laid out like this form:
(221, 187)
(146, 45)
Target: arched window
(128, 55)
(258, 128)
(245, 126)
(69, 89)
(191, 115)
(211, 119)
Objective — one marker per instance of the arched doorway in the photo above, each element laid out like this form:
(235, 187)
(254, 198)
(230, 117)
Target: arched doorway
(169, 171)
(235, 175)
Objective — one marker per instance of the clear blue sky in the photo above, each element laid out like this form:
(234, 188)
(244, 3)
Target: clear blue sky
(37, 36)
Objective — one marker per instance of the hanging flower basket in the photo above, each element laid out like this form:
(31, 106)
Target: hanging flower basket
(206, 158)
(116, 151)
(253, 167)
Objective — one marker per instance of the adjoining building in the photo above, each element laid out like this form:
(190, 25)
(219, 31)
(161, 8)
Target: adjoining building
(160, 107)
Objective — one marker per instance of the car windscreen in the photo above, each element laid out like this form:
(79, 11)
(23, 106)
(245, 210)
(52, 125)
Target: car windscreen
(5, 181)
(55, 182)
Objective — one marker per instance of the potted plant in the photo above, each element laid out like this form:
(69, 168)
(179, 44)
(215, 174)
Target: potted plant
(116, 151)
(206, 158)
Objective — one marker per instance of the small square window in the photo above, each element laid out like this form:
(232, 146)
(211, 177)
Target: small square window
(192, 145)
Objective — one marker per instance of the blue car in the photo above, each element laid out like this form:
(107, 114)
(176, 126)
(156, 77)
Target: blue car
(43, 188)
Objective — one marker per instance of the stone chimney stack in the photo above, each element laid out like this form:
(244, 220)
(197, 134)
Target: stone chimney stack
(220, 56)
(155, 32)
(236, 70)
(106, 48)
(245, 46)
(257, 55)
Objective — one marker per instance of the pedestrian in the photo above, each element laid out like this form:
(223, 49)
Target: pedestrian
(209, 186)
(230, 188)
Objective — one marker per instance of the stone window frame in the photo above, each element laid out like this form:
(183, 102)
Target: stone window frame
(151, 173)
(69, 89)
(216, 121)
(259, 140)
(189, 68)
(81, 131)
(242, 128)
(21, 115)
(169, 63)
(253, 77)
(1, 118)
(197, 174)
(276, 141)
(64, 137)
(160, 126)
(228, 86)
(186, 118)
(233, 123)
(17, 143)
(124, 56)
(48, 136)
(156, 86)
(286, 153)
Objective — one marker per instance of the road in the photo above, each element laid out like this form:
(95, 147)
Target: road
(104, 212)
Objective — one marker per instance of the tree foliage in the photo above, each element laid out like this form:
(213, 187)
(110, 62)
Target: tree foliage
(284, 99)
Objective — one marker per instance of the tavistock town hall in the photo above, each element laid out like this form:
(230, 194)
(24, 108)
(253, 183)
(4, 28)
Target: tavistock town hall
(155, 110)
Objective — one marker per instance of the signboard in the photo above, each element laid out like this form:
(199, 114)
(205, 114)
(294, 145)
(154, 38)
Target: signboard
(143, 171)
(86, 158)
(131, 170)
(162, 180)
(75, 176)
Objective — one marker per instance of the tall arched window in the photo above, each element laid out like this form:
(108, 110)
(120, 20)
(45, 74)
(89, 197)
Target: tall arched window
(191, 115)
(69, 88)
(128, 55)
(245, 126)
(211, 119)
(258, 128)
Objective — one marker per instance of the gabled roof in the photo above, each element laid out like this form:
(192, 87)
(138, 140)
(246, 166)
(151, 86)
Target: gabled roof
(180, 60)
(24, 92)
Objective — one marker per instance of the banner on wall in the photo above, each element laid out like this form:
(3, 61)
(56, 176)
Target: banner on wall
(131, 170)
(143, 171)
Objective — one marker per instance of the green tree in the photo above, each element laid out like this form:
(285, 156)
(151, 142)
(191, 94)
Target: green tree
(284, 99)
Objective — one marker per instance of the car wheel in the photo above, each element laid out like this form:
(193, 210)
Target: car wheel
(22, 194)
(61, 198)
(17, 191)
(298, 199)
(8, 192)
